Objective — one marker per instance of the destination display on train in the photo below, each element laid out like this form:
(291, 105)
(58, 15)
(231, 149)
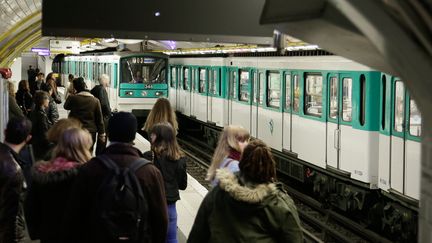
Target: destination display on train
(143, 60)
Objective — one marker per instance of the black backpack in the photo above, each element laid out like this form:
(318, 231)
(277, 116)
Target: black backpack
(120, 208)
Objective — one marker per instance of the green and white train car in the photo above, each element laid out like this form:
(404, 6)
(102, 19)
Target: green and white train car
(136, 79)
(327, 111)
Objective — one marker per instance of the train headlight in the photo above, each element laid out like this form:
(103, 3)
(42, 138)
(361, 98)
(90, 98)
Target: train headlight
(159, 93)
(144, 93)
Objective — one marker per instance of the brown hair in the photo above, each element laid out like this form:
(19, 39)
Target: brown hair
(257, 163)
(39, 98)
(74, 145)
(161, 112)
(24, 85)
(165, 144)
(229, 139)
(56, 131)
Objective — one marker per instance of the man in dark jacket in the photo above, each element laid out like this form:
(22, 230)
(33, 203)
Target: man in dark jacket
(100, 92)
(37, 84)
(12, 181)
(121, 132)
(87, 109)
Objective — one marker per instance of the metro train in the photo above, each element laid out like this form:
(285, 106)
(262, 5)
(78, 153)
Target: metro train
(349, 130)
(136, 79)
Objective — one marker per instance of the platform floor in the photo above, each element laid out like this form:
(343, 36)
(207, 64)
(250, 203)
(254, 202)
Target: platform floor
(191, 198)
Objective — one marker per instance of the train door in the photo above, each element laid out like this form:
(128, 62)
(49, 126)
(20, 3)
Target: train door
(194, 92)
(211, 92)
(287, 114)
(333, 121)
(241, 104)
(216, 101)
(179, 89)
(339, 112)
(232, 81)
(257, 96)
(202, 102)
(172, 90)
(405, 143)
(186, 92)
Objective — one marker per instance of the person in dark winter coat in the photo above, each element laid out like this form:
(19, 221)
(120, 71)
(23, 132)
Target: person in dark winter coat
(52, 180)
(87, 109)
(41, 125)
(122, 129)
(23, 97)
(167, 156)
(100, 92)
(52, 111)
(248, 206)
(14, 109)
(37, 84)
(12, 181)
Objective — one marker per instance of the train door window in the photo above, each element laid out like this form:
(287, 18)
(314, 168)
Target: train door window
(179, 78)
(273, 89)
(414, 119)
(313, 95)
(383, 104)
(212, 82)
(193, 80)
(261, 79)
(232, 86)
(362, 99)
(109, 71)
(173, 76)
(296, 88)
(287, 91)
(186, 78)
(399, 106)
(347, 99)
(244, 85)
(202, 80)
(333, 111)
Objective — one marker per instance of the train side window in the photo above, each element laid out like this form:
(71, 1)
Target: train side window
(383, 104)
(399, 106)
(333, 99)
(173, 77)
(287, 91)
(202, 80)
(186, 78)
(244, 85)
(414, 120)
(347, 99)
(296, 88)
(313, 95)
(273, 89)
(362, 99)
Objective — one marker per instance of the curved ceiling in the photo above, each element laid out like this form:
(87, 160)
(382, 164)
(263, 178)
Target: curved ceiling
(20, 27)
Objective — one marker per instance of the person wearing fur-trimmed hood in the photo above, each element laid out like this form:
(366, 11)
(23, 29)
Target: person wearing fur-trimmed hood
(52, 180)
(248, 206)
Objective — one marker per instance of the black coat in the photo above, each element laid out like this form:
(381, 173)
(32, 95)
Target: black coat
(88, 182)
(12, 222)
(40, 126)
(100, 92)
(174, 174)
(47, 199)
(24, 101)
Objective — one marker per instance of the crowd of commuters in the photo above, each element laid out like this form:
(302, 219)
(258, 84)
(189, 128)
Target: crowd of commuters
(124, 194)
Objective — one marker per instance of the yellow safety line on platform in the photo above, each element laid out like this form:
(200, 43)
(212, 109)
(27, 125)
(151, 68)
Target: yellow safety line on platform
(16, 38)
(19, 25)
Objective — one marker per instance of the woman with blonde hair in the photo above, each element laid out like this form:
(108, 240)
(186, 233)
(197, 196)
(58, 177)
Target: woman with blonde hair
(161, 112)
(250, 204)
(52, 180)
(232, 141)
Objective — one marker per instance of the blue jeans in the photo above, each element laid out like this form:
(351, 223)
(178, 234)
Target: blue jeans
(172, 224)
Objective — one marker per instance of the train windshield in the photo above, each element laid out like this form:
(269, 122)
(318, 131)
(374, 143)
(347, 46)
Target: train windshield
(146, 70)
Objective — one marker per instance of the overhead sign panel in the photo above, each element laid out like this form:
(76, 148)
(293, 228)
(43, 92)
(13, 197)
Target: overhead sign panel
(223, 21)
(64, 46)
